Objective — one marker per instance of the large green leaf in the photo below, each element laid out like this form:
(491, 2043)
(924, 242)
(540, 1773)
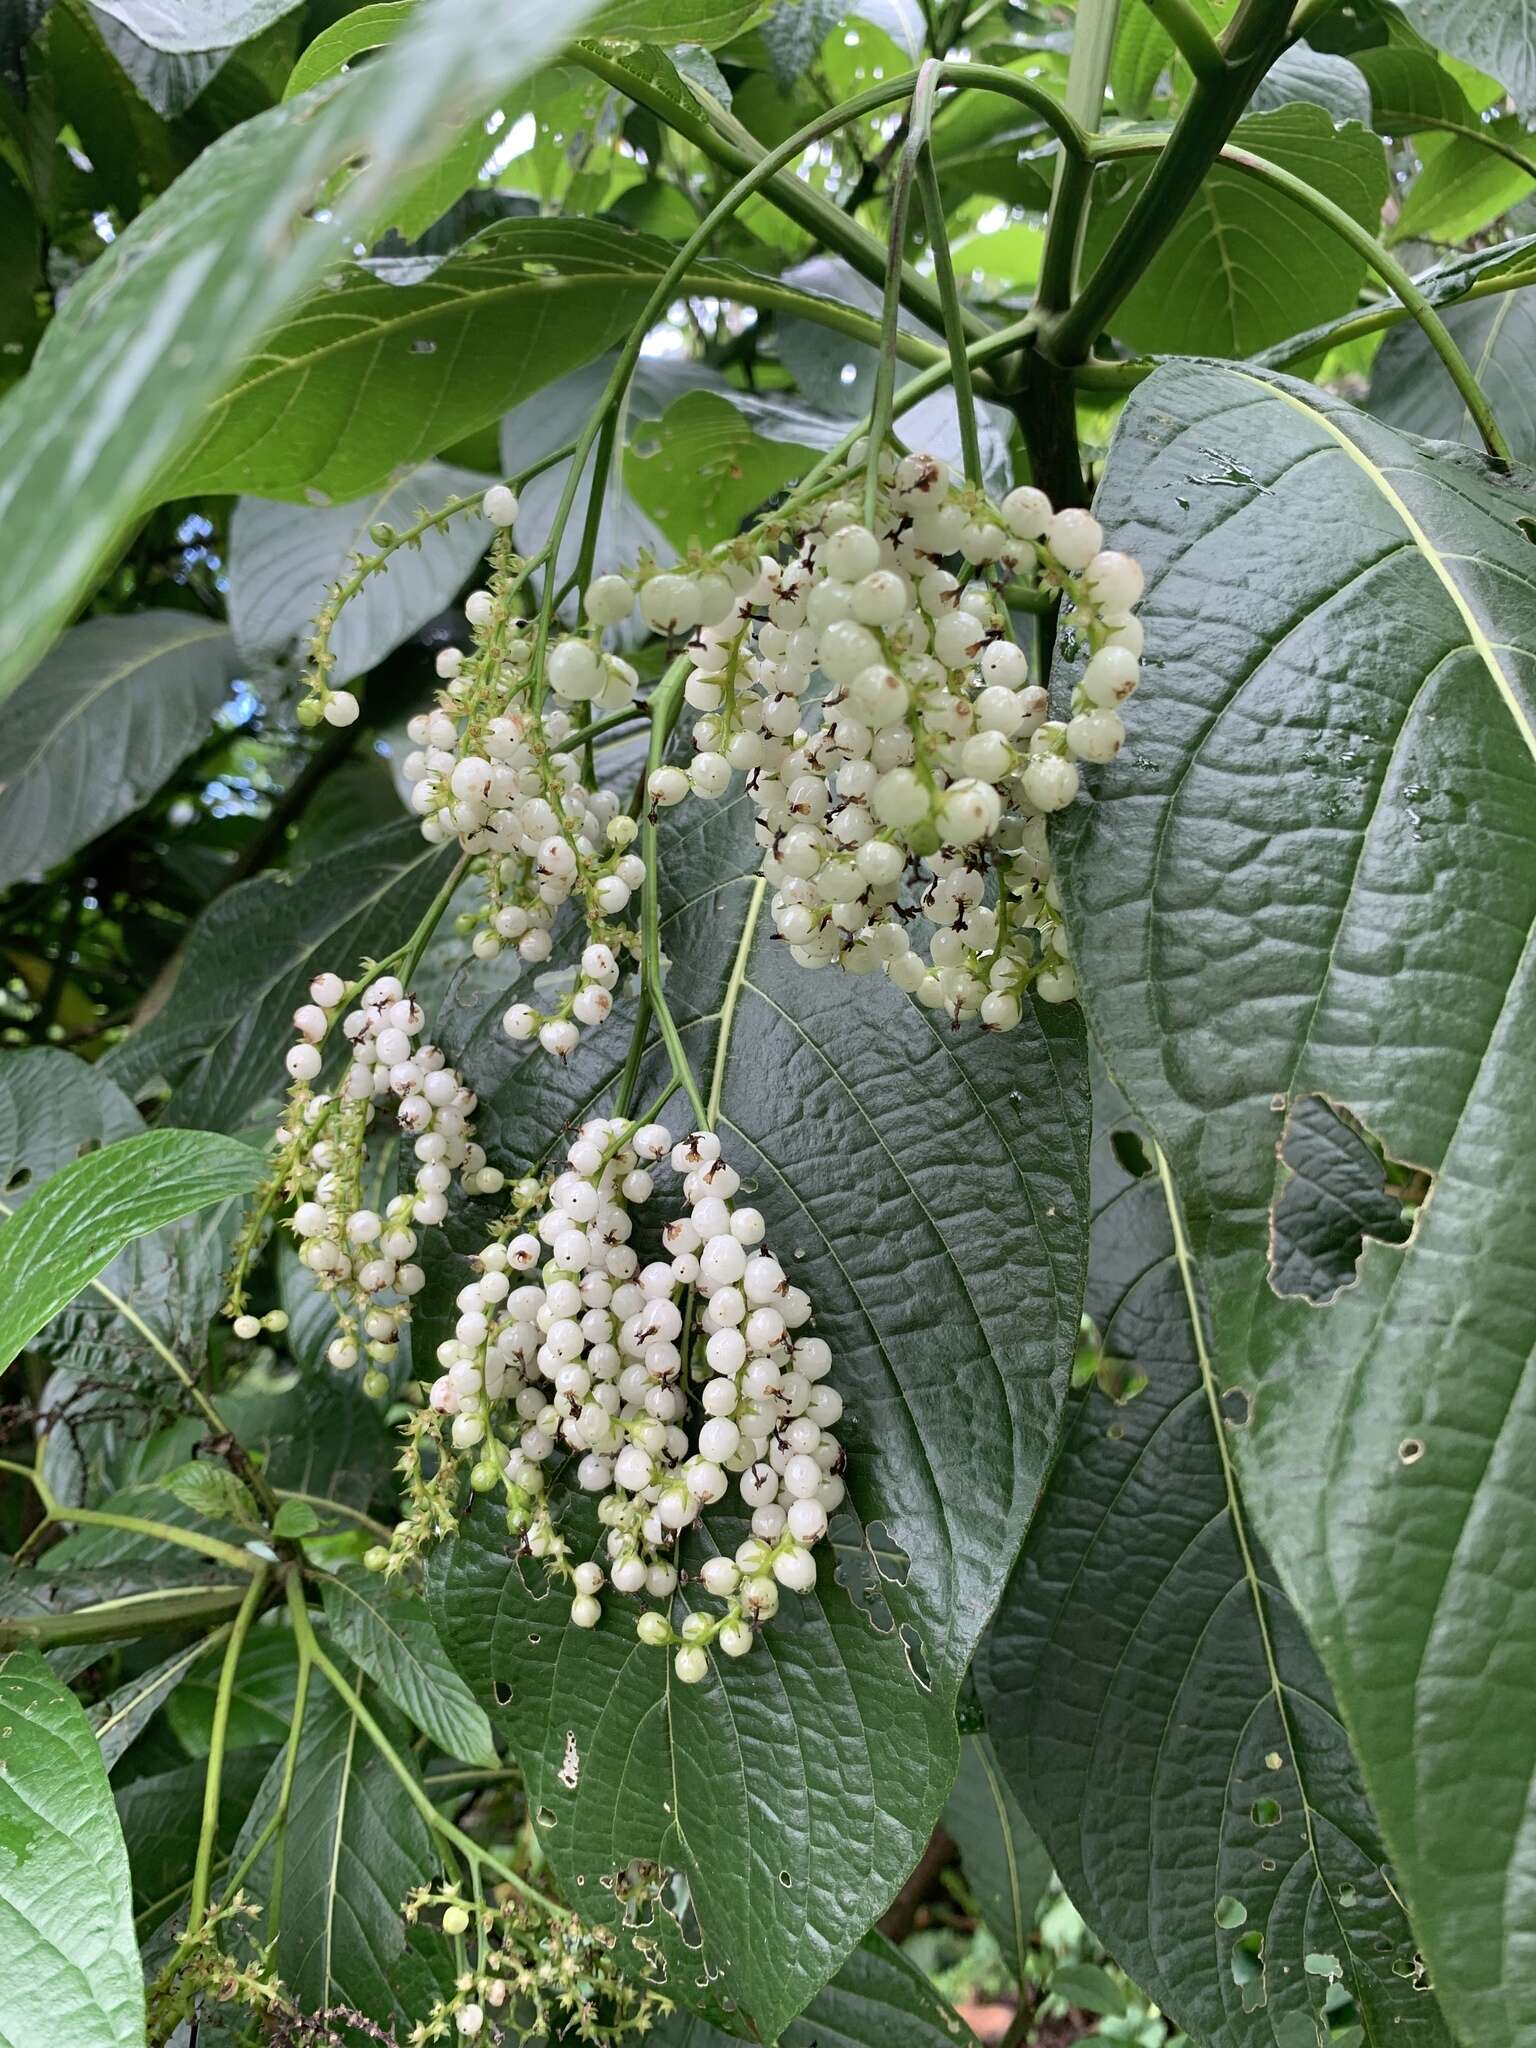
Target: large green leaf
(1410, 89)
(676, 21)
(878, 1999)
(356, 1847)
(387, 366)
(76, 1224)
(99, 725)
(166, 25)
(1155, 1704)
(386, 1628)
(700, 471)
(181, 298)
(220, 1038)
(1314, 873)
(1499, 39)
(119, 1719)
(71, 1964)
(1245, 265)
(1463, 186)
(283, 558)
(1006, 1864)
(1497, 335)
(1301, 73)
(795, 1788)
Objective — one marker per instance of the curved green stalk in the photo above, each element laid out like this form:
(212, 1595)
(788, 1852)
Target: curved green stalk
(733, 984)
(919, 120)
(1185, 28)
(666, 703)
(954, 324)
(218, 1735)
(1370, 321)
(135, 1525)
(476, 1852)
(1387, 268)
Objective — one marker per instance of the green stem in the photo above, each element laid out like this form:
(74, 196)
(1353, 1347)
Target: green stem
(417, 944)
(108, 1621)
(1478, 135)
(1370, 322)
(635, 1054)
(1387, 268)
(919, 120)
(954, 323)
(1254, 40)
(219, 1734)
(135, 1525)
(278, 1824)
(1093, 42)
(475, 1851)
(632, 714)
(1185, 27)
(728, 1007)
(334, 1507)
(666, 703)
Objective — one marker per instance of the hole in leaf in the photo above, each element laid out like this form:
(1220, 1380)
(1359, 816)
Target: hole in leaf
(545, 1818)
(1266, 1813)
(501, 1692)
(1322, 1966)
(18, 1180)
(1410, 1450)
(1248, 1971)
(917, 1664)
(1340, 1188)
(1131, 1153)
(1236, 1407)
(1230, 1912)
(1527, 526)
(1348, 1896)
(890, 1560)
(785, 1879)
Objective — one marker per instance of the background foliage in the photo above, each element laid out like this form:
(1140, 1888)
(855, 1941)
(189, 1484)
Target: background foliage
(1194, 1639)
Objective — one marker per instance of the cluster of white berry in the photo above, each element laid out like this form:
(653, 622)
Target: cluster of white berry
(363, 1258)
(931, 760)
(565, 1341)
(490, 768)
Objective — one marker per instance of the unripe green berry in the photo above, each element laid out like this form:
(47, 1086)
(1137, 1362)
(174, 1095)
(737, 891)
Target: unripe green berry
(376, 1559)
(376, 1385)
(455, 1920)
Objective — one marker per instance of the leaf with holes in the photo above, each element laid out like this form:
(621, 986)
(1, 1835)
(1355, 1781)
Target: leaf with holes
(73, 1227)
(1154, 1703)
(177, 302)
(99, 725)
(284, 558)
(701, 471)
(793, 1790)
(1245, 265)
(878, 1998)
(1319, 878)
(220, 1037)
(71, 1963)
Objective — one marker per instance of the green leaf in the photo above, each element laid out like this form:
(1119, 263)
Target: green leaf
(387, 1629)
(1332, 83)
(878, 1999)
(356, 1848)
(701, 470)
(159, 1801)
(357, 32)
(1087, 1988)
(213, 1493)
(97, 728)
(1410, 87)
(168, 81)
(1463, 185)
(220, 1037)
(212, 25)
(76, 1224)
(177, 303)
(295, 1518)
(261, 1702)
(1143, 51)
(119, 1719)
(1500, 40)
(283, 559)
(1245, 266)
(1317, 876)
(795, 1788)
(1005, 1863)
(386, 366)
(1443, 284)
(72, 1966)
(709, 22)
(1151, 1695)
